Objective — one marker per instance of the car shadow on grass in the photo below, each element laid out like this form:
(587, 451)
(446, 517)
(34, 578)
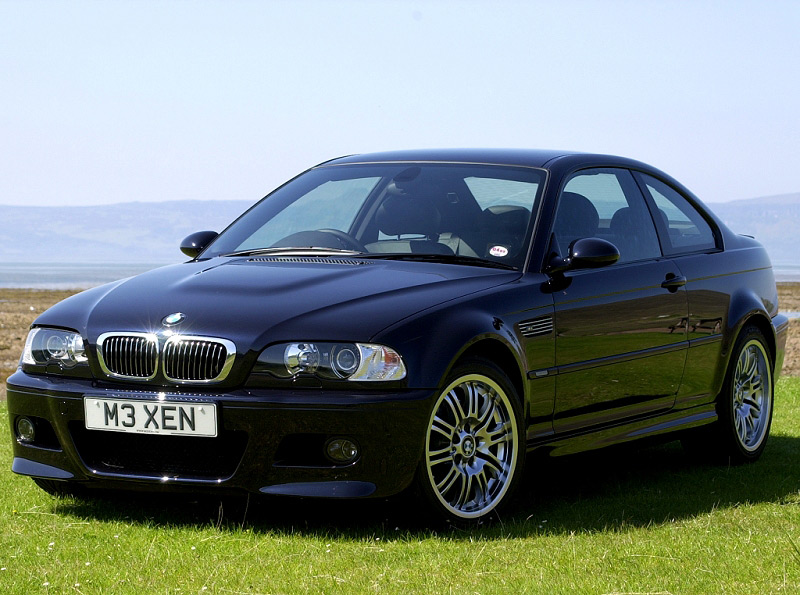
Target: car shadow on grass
(616, 488)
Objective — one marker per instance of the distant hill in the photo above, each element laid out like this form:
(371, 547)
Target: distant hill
(772, 220)
(151, 232)
(123, 232)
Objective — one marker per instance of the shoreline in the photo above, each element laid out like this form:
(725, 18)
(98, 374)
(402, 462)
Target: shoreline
(20, 306)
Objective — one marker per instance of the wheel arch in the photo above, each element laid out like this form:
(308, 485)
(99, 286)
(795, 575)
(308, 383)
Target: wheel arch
(747, 308)
(763, 324)
(436, 343)
(500, 354)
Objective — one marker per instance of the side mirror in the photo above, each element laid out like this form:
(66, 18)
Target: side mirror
(586, 253)
(193, 244)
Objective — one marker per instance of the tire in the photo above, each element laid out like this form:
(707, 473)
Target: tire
(474, 444)
(60, 489)
(744, 406)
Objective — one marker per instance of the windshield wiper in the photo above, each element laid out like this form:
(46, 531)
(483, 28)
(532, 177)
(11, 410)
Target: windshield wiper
(295, 250)
(444, 258)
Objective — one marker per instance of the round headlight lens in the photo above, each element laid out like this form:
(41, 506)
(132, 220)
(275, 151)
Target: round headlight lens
(55, 347)
(344, 360)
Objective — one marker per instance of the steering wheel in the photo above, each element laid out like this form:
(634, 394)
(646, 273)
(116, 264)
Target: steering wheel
(321, 238)
(348, 242)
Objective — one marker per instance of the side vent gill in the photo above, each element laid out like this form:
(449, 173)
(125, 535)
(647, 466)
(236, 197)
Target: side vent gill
(536, 327)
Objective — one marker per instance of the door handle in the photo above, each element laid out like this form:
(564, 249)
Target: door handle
(673, 282)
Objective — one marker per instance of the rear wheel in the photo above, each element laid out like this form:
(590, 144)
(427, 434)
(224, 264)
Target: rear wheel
(474, 451)
(745, 404)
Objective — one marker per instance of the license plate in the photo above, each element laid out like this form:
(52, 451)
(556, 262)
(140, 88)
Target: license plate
(151, 417)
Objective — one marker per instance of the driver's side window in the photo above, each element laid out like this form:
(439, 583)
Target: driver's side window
(605, 203)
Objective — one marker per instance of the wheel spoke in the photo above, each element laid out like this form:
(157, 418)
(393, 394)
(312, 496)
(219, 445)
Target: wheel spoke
(454, 403)
(465, 493)
(746, 363)
(752, 403)
(473, 398)
(502, 433)
(739, 423)
(754, 359)
(448, 481)
(481, 487)
(742, 433)
(443, 455)
(444, 428)
(488, 413)
(749, 428)
(492, 462)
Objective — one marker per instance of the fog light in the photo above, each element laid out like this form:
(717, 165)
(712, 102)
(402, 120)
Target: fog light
(26, 430)
(341, 450)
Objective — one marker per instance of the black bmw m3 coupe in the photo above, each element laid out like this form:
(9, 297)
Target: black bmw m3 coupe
(416, 318)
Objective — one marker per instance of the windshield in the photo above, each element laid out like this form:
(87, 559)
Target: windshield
(471, 211)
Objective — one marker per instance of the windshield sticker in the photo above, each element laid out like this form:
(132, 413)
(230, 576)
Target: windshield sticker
(498, 251)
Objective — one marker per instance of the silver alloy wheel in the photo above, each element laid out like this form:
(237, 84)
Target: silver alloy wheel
(472, 446)
(752, 395)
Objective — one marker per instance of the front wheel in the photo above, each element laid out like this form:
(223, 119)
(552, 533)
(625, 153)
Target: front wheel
(474, 452)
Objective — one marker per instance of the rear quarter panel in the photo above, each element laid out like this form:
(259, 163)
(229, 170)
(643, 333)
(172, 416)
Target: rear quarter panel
(726, 290)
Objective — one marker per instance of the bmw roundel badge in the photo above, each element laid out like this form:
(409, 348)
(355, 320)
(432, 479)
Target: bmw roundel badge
(173, 319)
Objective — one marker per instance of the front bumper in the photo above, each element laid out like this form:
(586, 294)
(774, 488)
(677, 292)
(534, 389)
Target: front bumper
(269, 441)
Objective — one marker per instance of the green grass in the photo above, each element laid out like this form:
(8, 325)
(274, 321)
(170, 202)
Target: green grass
(636, 520)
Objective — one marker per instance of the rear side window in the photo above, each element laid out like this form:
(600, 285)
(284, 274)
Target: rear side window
(686, 230)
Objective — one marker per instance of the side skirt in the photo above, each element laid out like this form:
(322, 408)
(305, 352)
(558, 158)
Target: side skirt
(635, 430)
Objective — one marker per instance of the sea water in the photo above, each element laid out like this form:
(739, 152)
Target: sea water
(787, 272)
(39, 275)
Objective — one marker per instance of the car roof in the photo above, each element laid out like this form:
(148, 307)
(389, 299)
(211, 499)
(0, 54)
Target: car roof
(523, 157)
(560, 163)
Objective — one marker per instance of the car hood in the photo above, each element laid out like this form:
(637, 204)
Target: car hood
(254, 303)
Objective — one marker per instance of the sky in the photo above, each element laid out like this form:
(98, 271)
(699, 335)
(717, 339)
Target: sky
(106, 102)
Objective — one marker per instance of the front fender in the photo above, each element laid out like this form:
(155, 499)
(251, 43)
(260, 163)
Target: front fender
(433, 342)
(484, 324)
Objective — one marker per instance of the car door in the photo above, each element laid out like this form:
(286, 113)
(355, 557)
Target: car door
(693, 243)
(621, 338)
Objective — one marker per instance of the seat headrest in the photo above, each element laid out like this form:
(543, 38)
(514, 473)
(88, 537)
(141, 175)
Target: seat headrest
(508, 218)
(577, 216)
(623, 221)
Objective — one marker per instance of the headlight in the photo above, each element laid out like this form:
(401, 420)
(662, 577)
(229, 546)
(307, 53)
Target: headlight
(53, 346)
(364, 362)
